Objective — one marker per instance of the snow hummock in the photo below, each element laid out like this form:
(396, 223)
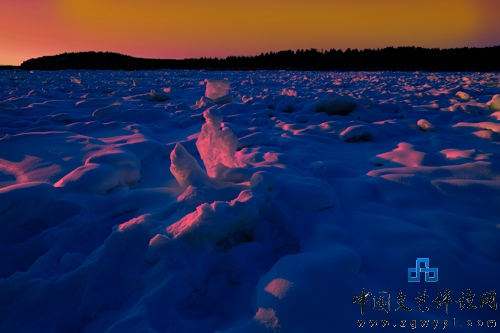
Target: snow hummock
(494, 103)
(426, 126)
(266, 208)
(357, 133)
(333, 104)
(463, 95)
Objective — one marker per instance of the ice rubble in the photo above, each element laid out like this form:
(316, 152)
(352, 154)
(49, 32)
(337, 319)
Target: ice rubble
(270, 221)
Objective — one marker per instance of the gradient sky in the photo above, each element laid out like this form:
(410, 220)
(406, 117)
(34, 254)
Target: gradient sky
(219, 28)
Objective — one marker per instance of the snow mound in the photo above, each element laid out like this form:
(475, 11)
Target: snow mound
(97, 102)
(158, 245)
(487, 135)
(463, 95)
(357, 133)
(116, 157)
(405, 155)
(282, 286)
(494, 103)
(468, 108)
(286, 106)
(307, 194)
(458, 153)
(459, 189)
(495, 115)
(107, 110)
(234, 109)
(10, 194)
(485, 125)
(104, 172)
(426, 126)
(254, 139)
(26, 211)
(159, 96)
(333, 104)
(279, 287)
(98, 179)
(7, 106)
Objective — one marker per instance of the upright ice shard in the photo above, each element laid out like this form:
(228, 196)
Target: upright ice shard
(216, 88)
(216, 146)
(185, 168)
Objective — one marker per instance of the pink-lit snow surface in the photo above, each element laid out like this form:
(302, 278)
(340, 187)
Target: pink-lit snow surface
(110, 223)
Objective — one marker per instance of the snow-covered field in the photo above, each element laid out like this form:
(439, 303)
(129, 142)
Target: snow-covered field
(130, 202)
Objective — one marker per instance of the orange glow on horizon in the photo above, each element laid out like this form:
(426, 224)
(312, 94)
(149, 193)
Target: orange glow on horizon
(196, 28)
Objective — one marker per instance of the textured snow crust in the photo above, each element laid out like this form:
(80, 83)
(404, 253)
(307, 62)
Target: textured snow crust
(199, 201)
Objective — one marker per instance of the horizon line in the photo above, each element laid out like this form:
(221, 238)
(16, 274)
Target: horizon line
(257, 54)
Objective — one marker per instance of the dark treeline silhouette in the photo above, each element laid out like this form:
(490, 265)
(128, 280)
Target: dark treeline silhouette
(2, 67)
(390, 58)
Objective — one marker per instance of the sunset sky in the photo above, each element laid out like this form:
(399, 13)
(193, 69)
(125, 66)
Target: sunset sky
(219, 28)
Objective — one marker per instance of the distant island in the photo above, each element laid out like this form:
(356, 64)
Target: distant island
(389, 58)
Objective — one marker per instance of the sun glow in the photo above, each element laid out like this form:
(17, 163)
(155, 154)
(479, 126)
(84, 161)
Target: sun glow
(195, 28)
(239, 27)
